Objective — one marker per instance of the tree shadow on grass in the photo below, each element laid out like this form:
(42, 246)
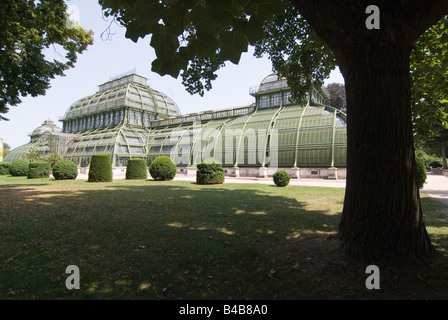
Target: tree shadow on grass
(184, 241)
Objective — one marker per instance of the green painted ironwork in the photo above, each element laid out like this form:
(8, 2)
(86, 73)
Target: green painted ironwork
(121, 120)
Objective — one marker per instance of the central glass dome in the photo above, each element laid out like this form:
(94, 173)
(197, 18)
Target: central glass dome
(272, 82)
(125, 99)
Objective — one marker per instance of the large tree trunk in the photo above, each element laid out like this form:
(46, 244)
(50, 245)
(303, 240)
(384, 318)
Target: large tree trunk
(382, 216)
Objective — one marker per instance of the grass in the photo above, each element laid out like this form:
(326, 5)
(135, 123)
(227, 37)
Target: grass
(179, 240)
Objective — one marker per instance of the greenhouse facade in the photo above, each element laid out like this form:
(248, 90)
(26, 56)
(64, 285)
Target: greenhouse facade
(128, 119)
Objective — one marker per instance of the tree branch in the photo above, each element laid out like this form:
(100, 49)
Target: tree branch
(421, 15)
(341, 24)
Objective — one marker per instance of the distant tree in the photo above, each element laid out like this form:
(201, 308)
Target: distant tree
(53, 158)
(437, 142)
(429, 89)
(429, 82)
(6, 149)
(33, 155)
(337, 96)
(27, 29)
(426, 153)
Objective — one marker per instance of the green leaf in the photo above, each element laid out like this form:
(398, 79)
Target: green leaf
(203, 18)
(252, 29)
(135, 31)
(170, 66)
(148, 11)
(264, 9)
(164, 42)
(205, 44)
(233, 44)
(174, 19)
(187, 53)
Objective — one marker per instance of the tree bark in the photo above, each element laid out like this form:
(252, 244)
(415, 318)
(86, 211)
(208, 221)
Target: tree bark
(444, 164)
(382, 216)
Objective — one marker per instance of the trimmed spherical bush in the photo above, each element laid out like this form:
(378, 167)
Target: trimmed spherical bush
(210, 173)
(19, 168)
(136, 169)
(65, 170)
(163, 169)
(39, 169)
(100, 168)
(4, 168)
(281, 178)
(421, 173)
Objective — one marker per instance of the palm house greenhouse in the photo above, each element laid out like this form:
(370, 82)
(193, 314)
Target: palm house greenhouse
(126, 119)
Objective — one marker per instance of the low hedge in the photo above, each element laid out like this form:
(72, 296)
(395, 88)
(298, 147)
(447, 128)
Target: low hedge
(163, 169)
(281, 178)
(136, 169)
(4, 168)
(19, 168)
(100, 168)
(65, 170)
(39, 169)
(421, 173)
(210, 173)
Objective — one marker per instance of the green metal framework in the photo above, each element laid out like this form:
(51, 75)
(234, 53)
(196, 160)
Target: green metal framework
(124, 100)
(294, 136)
(121, 142)
(40, 141)
(17, 153)
(115, 120)
(128, 119)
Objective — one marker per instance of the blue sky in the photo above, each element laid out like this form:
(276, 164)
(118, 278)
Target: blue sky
(108, 58)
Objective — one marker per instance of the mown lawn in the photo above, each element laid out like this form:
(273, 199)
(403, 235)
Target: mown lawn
(179, 240)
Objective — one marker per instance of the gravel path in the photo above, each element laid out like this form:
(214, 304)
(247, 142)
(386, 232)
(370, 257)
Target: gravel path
(436, 186)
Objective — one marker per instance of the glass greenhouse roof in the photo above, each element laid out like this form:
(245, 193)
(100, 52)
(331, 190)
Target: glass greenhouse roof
(306, 136)
(299, 136)
(42, 145)
(272, 82)
(121, 142)
(17, 153)
(47, 126)
(127, 119)
(128, 91)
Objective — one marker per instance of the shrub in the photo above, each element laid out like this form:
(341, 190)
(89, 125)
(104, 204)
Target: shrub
(281, 178)
(4, 168)
(163, 168)
(53, 158)
(211, 161)
(65, 170)
(100, 168)
(136, 169)
(210, 173)
(19, 168)
(39, 169)
(435, 164)
(421, 173)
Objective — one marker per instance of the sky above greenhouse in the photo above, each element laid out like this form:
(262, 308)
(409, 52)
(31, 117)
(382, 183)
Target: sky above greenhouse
(112, 55)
